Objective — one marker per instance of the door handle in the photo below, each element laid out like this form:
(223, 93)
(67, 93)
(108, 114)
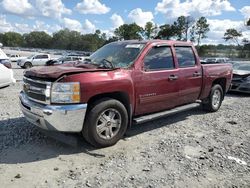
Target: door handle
(173, 77)
(196, 74)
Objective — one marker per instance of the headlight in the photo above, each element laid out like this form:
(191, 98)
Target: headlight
(65, 92)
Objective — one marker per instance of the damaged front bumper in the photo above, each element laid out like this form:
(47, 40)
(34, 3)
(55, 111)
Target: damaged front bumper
(63, 118)
(240, 87)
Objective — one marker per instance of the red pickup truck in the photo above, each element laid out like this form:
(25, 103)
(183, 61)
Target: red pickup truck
(122, 83)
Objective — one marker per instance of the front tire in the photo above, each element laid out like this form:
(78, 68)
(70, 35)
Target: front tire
(214, 100)
(106, 123)
(27, 65)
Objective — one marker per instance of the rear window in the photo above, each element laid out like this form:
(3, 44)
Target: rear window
(185, 56)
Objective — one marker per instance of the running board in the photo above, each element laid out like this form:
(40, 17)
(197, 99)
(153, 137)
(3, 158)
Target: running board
(150, 117)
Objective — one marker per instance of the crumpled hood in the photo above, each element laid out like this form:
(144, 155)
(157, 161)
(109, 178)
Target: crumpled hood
(241, 72)
(57, 71)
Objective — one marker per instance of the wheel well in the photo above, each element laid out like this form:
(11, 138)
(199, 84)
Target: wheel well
(28, 62)
(222, 82)
(120, 96)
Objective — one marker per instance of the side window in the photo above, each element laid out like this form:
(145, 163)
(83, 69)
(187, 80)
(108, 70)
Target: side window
(44, 57)
(159, 58)
(185, 56)
(37, 57)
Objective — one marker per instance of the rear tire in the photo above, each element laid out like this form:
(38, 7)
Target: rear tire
(27, 65)
(106, 122)
(214, 100)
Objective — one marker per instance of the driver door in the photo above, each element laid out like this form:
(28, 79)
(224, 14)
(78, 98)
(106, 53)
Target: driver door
(157, 85)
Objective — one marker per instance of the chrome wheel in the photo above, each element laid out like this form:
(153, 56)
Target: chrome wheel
(216, 98)
(108, 123)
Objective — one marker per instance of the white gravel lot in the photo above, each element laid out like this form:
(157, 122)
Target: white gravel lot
(189, 149)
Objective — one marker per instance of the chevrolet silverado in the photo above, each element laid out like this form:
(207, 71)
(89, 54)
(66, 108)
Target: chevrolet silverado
(122, 83)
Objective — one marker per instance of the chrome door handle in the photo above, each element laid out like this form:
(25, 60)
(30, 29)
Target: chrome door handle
(196, 74)
(173, 77)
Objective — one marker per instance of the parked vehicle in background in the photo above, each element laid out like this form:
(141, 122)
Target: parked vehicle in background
(215, 60)
(241, 77)
(34, 60)
(6, 74)
(121, 83)
(64, 59)
(4, 59)
(14, 58)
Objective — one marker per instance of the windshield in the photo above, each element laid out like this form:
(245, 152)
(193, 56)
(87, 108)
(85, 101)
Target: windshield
(120, 55)
(242, 66)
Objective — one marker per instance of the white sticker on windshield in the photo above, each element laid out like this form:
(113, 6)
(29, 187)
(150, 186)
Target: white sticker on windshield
(134, 46)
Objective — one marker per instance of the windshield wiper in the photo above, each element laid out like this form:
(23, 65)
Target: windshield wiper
(104, 63)
(107, 64)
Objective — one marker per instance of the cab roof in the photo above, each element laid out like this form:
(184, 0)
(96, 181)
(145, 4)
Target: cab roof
(156, 41)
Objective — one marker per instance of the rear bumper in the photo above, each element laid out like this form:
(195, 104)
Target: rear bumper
(63, 118)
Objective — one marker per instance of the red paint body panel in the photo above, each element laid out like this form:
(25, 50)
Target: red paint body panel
(211, 72)
(95, 83)
(148, 91)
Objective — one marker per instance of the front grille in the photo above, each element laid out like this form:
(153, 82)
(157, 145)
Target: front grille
(37, 90)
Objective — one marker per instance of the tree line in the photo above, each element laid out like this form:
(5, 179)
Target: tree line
(184, 28)
(73, 40)
(63, 39)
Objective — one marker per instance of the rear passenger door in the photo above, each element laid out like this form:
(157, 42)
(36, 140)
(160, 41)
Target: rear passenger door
(40, 60)
(43, 59)
(157, 83)
(36, 60)
(190, 74)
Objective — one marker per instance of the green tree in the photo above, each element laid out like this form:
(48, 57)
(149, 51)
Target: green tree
(199, 30)
(166, 32)
(128, 32)
(182, 26)
(149, 30)
(61, 39)
(92, 42)
(74, 40)
(1, 37)
(38, 39)
(12, 39)
(233, 35)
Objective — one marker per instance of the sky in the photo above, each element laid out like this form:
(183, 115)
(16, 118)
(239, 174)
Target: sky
(86, 16)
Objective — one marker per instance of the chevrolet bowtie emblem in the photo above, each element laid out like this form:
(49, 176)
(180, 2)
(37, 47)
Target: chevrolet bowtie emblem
(26, 87)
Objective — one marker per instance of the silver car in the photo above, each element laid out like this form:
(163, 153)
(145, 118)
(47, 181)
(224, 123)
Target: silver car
(241, 77)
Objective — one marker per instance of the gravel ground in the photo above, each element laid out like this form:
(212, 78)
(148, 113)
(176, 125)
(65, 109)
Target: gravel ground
(189, 149)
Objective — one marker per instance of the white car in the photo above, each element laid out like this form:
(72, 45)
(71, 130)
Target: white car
(217, 60)
(64, 59)
(34, 60)
(6, 73)
(15, 58)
